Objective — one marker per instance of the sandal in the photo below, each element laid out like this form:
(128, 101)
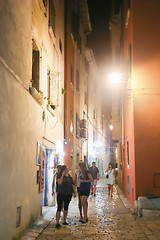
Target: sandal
(84, 221)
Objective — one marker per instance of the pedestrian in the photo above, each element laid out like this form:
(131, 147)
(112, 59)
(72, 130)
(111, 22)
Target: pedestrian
(65, 190)
(54, 182)
(85, 179)
(95, 175)
(77, 183)
(110, 178)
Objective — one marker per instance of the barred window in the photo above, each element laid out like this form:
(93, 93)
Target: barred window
(52, 15)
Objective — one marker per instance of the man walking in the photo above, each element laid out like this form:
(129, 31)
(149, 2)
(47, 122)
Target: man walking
(95, 175)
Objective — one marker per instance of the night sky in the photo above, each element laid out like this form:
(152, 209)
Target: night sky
(99, 39)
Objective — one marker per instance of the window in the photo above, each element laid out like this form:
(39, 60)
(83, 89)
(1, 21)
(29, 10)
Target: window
(75, 26)
(35, 66)
(52, 14)
(117, 7)
(79, 43)
(44, 3)
(77, 126)
(60, 45)
(54, 89)
(127, 151)
(71, 74)
(77, 80)
(128, 4)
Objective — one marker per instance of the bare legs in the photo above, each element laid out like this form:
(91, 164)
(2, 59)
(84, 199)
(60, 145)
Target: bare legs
(94, 189)
(65, 213)
(84, 207)
(93, 192)
(80, 206)
(58, 215)
(110, 190)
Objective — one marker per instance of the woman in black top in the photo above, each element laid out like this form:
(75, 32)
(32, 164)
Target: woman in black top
(85, 179)
(64, 194)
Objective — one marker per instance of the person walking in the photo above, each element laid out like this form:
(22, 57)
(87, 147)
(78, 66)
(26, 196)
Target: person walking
(85, 179)
(64, 194)
(77, 183)
(110, 178)
(95, 175)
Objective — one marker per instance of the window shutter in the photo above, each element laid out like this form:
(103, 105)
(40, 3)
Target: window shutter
(55, 89)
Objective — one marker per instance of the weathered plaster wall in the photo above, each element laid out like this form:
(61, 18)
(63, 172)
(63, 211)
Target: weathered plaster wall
(21, 127)
(21, 124)
(15, 36)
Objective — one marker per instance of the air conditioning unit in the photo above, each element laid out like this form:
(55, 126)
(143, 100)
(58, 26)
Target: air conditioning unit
(83, 123)
(84, 133)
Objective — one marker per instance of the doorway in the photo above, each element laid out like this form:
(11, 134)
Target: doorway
(49, 170)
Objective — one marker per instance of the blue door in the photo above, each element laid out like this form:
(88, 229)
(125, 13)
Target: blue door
(45, 180)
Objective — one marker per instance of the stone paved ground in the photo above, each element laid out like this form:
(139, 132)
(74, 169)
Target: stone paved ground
(108, 219)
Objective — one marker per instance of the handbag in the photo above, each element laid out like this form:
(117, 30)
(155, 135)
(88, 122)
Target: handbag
(107, 176)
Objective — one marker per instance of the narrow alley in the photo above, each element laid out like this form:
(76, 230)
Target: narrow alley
(108, 219)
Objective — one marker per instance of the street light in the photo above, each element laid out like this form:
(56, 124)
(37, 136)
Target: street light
(111, 127)
(115, 77)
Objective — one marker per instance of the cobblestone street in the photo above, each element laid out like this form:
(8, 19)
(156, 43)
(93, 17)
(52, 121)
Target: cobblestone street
(108, 219)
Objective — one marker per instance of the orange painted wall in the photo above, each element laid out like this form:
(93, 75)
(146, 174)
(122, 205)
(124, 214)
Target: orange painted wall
(128, 171)
(142, 111)
(146, 73)
(68, 149)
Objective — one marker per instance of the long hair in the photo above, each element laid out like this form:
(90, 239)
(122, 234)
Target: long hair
(83, 169)
(63, 168)
(110, 165)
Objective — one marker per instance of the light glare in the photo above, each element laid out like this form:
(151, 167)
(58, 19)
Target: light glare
(115, 77)
(111, 127)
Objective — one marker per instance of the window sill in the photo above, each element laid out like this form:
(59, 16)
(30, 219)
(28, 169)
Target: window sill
(50, 109)
(36, 95)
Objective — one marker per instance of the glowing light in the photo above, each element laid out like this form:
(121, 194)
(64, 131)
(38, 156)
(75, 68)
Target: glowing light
(115, 77)
(97, 144)
(59, 148)
(111, 127)
(71, 128)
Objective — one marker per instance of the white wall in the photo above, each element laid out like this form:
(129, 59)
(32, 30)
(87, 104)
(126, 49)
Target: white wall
(21, 127)
(21, 123)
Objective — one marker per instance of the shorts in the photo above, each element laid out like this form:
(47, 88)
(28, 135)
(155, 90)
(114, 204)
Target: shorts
(84, 192)
(94, 183)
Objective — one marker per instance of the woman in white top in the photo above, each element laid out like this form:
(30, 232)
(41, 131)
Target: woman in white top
(110, 179)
